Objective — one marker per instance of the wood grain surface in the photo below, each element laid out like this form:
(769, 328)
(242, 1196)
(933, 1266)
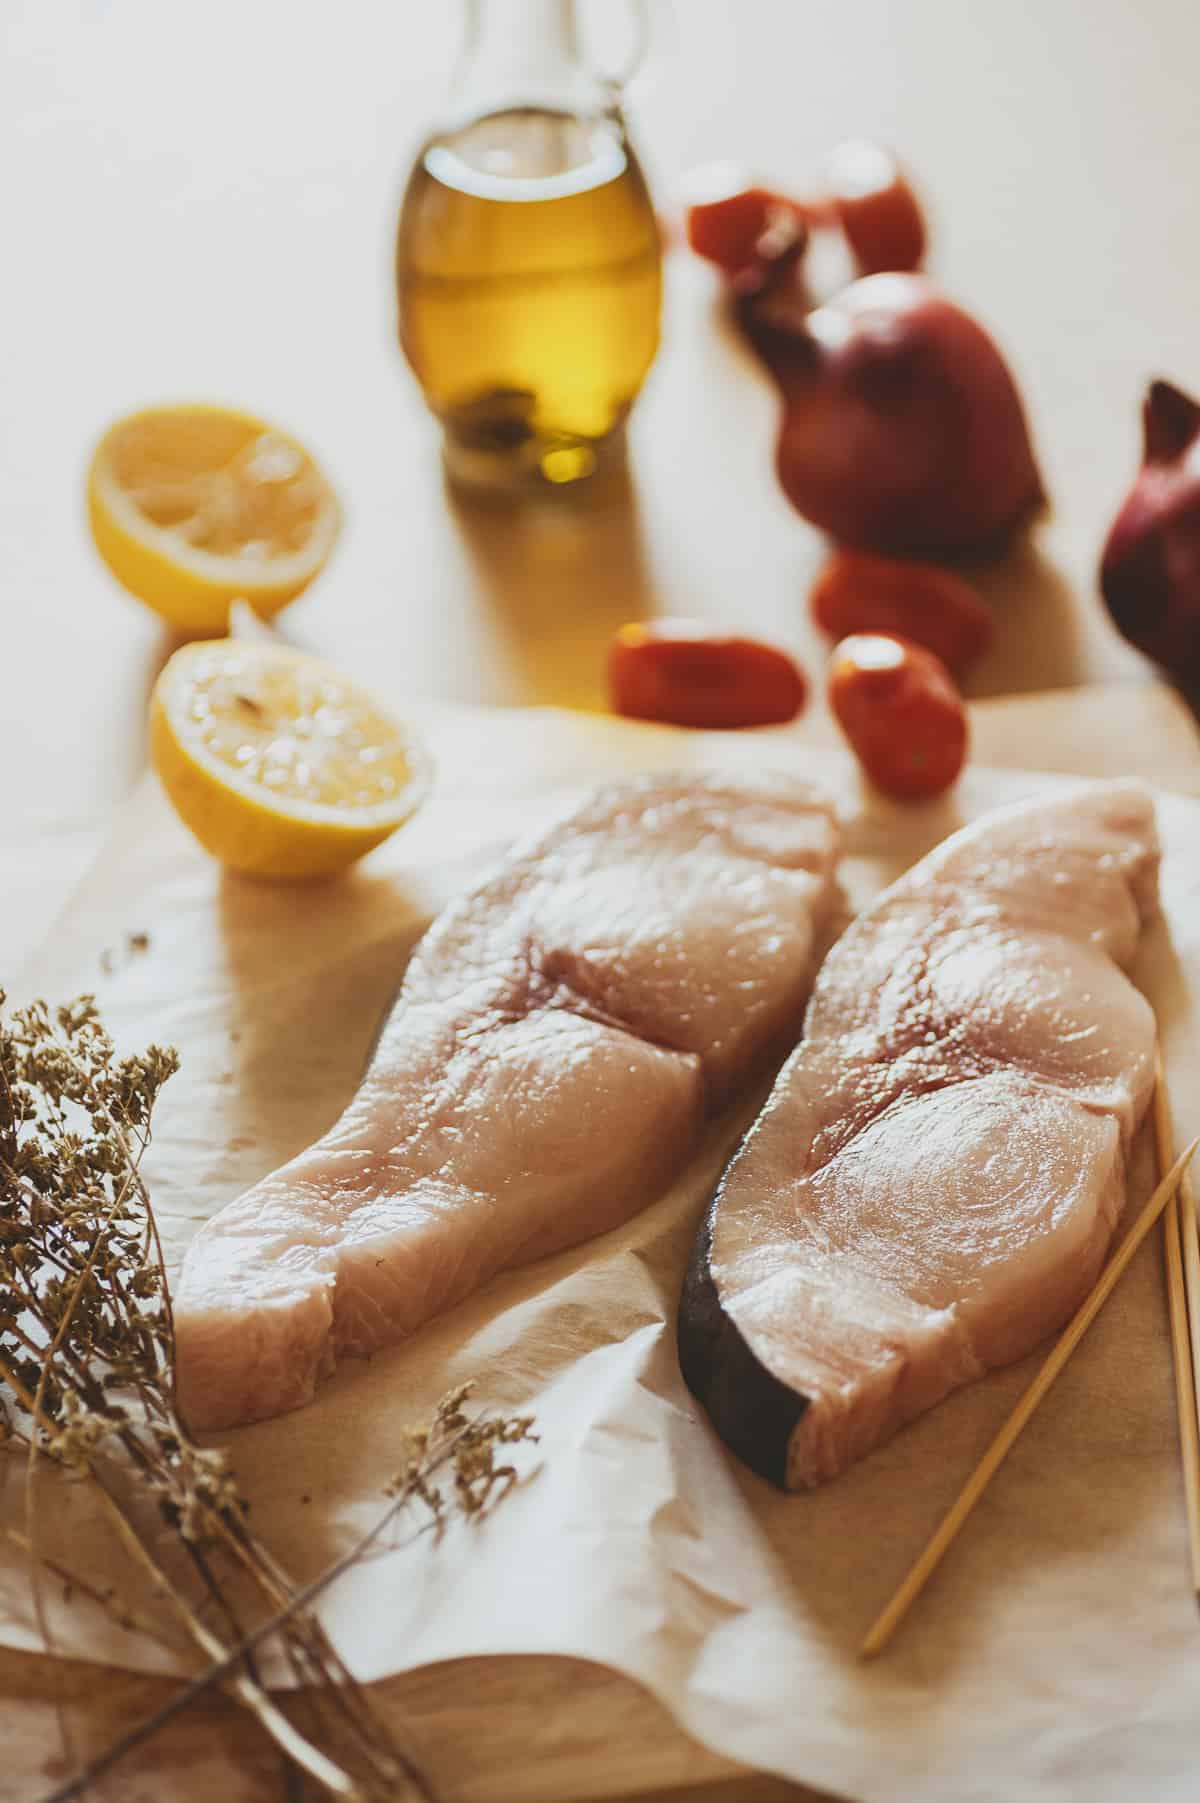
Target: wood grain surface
(200, 202)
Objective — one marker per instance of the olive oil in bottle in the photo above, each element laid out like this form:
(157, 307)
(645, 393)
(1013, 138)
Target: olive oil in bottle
(529, 282)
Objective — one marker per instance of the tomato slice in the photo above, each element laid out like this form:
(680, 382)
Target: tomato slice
(684, 673)
(899, 708)
(859, 592)
(876, 207)
(734, 222)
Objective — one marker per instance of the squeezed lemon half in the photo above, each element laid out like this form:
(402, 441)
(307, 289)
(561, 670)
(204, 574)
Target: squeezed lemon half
(279, 764)
(191, 507)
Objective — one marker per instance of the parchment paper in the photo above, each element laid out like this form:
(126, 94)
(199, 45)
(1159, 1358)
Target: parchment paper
(1056, 1655)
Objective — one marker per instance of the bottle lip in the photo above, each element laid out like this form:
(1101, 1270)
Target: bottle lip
(607, 162)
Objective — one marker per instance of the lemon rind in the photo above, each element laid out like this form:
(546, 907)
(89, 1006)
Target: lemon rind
(353, 822)
(294, 570)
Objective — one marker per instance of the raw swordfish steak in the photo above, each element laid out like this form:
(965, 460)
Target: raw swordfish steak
(933, 1184)
(561, 1034)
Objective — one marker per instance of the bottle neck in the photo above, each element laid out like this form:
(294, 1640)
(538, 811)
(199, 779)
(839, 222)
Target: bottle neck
(524, 40)
(521, 53)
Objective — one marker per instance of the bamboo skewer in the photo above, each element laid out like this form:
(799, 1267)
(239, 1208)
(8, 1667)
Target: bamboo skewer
(977, 1483)
(1190, 1235)
(1182, 1347)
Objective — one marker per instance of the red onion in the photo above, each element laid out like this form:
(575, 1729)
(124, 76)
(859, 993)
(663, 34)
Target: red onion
(902, 427)
(1150, 571)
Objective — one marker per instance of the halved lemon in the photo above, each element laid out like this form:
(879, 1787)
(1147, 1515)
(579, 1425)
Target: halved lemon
(279, 764)
(192, 507)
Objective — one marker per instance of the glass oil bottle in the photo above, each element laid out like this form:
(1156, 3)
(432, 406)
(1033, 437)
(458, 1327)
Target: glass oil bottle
(528, 262)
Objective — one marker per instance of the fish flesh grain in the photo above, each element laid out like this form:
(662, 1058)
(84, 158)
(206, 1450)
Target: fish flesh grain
(560, 1036)
(934, 1181)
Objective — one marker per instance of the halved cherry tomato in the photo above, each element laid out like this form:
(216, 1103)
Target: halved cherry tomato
(733, 222)
(857, 592)
(683, 673)
(876, 207)
(899, 708)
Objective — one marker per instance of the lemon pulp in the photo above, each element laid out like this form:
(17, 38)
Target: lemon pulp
(278, 763)
(193, 506)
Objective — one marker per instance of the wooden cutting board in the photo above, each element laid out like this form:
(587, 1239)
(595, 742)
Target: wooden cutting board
(535, 1729)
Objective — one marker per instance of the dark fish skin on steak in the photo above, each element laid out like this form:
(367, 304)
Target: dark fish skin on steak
(562, 1032)
(753, 1411)
(933, 1184)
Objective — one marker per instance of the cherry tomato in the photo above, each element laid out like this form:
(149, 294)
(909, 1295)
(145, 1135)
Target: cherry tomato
(683, 673)
(876, 207)
(900, 710)
(857, 592)
(734, 222)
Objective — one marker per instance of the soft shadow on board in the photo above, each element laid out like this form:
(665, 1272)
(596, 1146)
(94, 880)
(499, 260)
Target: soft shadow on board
(560, 575)
(887, 832)
(1038, 642)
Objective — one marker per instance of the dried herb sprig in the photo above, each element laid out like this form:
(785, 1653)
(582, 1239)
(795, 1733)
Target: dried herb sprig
(87, 1384)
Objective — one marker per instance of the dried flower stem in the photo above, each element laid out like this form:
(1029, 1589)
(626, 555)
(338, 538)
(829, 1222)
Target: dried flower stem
(281, 1730)
(87, 1357)
(444, 1451)
(310, 1758)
